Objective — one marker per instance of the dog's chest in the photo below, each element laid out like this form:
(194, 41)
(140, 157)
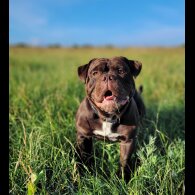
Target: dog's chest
(107, 132)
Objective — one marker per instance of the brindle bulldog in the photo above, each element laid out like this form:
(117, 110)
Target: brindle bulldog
(112, 108)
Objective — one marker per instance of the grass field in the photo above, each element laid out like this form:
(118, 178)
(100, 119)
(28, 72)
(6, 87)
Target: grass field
(45, 93)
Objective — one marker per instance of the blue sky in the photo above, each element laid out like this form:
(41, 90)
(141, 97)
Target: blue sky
(98, 22)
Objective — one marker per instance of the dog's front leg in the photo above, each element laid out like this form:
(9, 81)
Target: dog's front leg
(84, 149)
(126, 150)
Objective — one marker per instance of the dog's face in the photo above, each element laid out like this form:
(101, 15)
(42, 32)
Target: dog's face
(109, 82)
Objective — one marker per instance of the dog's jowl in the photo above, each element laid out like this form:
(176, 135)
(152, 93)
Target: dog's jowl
(112, 108)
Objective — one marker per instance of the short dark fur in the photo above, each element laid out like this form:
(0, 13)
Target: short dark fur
(116, 75)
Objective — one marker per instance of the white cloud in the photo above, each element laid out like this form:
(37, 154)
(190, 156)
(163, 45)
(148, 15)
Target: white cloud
(35, 41)
(24, 14)
(165, 36)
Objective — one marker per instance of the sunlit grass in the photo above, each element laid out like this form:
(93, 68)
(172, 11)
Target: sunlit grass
(45, 93)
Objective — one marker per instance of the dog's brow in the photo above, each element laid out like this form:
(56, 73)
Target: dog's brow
(101, 60)
(98, 65)
(118, 61)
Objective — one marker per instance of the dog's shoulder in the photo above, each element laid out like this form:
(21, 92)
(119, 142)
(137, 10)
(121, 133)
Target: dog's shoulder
(139, 103)
(84, 109)
(131, 115)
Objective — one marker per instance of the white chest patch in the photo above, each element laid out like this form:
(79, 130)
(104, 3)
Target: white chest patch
(107, 132)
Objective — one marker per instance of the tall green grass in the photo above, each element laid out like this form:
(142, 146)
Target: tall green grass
(45, 93)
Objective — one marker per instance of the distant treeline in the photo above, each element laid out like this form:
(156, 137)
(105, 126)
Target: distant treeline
(57, 45)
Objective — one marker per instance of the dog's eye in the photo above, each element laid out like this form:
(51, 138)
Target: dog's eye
(120, 71)
(94, 73)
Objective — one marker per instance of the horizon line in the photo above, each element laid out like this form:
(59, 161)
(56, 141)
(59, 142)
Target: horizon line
(58, 45)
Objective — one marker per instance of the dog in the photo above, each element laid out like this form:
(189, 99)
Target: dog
(112, 108)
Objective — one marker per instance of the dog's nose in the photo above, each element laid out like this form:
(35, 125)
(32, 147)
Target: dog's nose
(104, 78)
(110, 77)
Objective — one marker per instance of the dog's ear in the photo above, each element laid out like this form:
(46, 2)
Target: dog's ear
(83, 70)
(134, 65)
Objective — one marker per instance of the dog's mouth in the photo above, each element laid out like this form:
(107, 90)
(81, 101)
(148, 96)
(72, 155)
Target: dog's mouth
(109, 96)
(111, 102)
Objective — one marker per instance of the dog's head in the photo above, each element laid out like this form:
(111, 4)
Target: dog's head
(109, 82)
